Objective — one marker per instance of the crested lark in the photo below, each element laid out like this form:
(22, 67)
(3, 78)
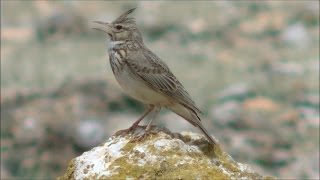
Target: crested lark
(144, 76)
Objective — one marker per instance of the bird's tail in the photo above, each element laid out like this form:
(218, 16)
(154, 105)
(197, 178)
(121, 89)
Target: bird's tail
(192, 117)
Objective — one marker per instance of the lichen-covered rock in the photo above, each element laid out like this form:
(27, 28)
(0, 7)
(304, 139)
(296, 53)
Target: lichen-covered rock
(161, 155)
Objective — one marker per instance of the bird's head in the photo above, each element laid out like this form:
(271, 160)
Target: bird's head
(121, 29)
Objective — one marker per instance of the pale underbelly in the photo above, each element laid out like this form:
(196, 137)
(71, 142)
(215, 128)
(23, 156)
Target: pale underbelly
(139, 90)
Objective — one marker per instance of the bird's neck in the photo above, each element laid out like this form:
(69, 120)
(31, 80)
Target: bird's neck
(115, 44)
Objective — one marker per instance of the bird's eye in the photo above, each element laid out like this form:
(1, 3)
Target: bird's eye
(118, 27)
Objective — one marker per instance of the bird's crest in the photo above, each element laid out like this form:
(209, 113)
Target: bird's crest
(124, 19)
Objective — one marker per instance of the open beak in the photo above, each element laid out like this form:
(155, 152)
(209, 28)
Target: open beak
(103, 26)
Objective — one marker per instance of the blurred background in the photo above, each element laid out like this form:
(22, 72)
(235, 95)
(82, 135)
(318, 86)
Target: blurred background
(252, 67)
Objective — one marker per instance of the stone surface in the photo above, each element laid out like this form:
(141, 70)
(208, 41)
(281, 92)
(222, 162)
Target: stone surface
(227, 112)
(296, 35)
(89, 133)
(238, 91)
(161, 155)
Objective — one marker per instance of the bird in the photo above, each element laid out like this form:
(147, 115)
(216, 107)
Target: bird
(144, 76)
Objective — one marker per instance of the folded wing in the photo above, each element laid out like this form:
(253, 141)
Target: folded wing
(157, 75)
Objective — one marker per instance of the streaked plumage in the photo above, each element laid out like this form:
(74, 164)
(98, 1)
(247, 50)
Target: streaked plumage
(144, 76)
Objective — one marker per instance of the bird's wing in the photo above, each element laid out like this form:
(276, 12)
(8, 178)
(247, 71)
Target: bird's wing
(156, 74)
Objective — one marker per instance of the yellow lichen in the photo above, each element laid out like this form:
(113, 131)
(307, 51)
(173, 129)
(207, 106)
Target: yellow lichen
(167, 169)
(68, 175)
(128, 147)
(269, 178)
(186, 138)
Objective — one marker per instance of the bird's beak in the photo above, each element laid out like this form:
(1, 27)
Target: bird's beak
(103, 26)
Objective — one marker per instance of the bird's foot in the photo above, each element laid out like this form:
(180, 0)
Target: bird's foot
(130, 130)
(144, 135)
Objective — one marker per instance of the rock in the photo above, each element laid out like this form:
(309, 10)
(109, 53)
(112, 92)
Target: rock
(310, 170)
(260, 103)
(226, 113)
(28, 130)
(288, 68)
(314, 66)
(61, 24)
(310, 116)
(296, 35)
(310, 99)
(89, 133)
(197, 26)
(237, 91)
(161, 155)
(5, 174)
(16, 34)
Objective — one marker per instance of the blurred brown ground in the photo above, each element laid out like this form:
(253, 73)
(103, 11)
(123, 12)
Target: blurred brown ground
(252, 67)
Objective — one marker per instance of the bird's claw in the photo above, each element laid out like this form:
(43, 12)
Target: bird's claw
(126, 131)
(140, 137)
(144, 135)
(123, 132)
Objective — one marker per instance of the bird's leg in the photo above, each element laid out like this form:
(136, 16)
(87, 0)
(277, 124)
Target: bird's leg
(135, 124)
(148, 128)
(156, 112)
